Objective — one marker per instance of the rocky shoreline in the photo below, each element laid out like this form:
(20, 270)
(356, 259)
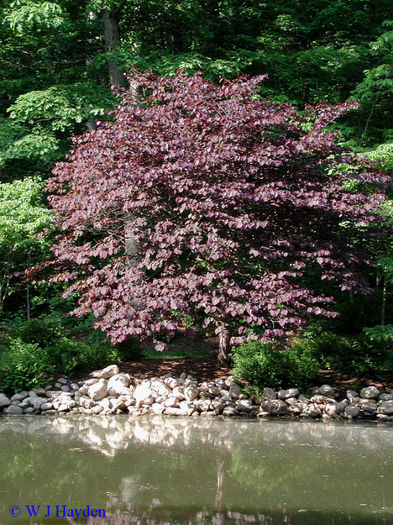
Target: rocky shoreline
(110, 392)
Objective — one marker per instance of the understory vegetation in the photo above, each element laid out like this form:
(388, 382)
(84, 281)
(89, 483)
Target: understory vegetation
(255, 209)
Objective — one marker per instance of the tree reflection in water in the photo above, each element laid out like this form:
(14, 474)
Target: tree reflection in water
(168, 470)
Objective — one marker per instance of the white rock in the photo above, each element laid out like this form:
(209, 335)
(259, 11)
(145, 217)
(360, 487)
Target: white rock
(269, 393)
(13, 410)
(172, 401)
(172, 411)
(351, 411)
(369, 392)
(62, 381)
(234, 391)
(352, 394)
(98, 390)
(326, 390)
(46, 406)
(143, 394)
(382, 397)
(386, 407)
(4, 401)
(157, 408)
(191, 392)
(17, 397)
(160, 388)
(106, 373)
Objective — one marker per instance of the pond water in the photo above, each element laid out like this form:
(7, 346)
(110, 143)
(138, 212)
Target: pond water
(169, 470)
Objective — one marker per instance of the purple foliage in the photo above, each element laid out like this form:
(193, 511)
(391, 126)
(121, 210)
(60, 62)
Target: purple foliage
(229, 200)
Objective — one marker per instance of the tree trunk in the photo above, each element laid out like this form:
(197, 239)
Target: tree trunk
(383, 306)
(223, 345)
(112, 39)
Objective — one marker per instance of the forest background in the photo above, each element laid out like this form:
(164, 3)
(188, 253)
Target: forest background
(57, 60)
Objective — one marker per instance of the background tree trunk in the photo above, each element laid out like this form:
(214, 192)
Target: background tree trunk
(112, 39)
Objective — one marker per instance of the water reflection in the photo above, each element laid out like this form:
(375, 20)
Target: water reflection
(167, 470)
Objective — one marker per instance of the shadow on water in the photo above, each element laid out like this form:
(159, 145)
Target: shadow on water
(167, 470)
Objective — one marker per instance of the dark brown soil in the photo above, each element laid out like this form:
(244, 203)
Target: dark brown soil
(207, 369)
(202, 369)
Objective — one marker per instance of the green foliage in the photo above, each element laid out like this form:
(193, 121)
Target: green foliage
(41, 347)
(380, 334)
(22, 216)
(31, 15)
(22, 365)
(383, 155)
(41, 332)
(356, 355)
(265, 365)
(62, 106)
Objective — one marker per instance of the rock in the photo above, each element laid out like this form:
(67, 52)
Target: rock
(118, 385)
(160, 388)
(74, 387)
(97, 409)
(386, 408)
(37, 402)
(234, 391)
(117, 405)
(352, 395)
(98, 390)
(38, 391)
(65, 388)
(282, 394)
(143, 394)
(269, 393)
(382, 397)
(172, 401)
(157, 408)
(292, 392)
(351, 411)
(331, 409)
(368, 405)
(191, 392)
(326, 390)
(86, 402)
(244, 405)
(303, 399)
(296, 408)
(25, 403)
(369, 392)
(172, 411)
(4, 401)
(230, 411)
(62, 381)
(13, 410)
(46, 406)
(106, 373)
(275, 407)
(320, 399)
(383, 417)
(17, 397)
(291, 400)
(312, 410)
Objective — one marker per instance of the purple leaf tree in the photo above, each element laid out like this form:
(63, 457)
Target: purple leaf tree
(227, 200)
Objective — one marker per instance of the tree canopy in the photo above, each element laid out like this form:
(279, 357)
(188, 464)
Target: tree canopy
(229, 199)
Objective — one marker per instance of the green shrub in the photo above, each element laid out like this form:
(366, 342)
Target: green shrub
(42, 332)
(265, 365)
(22, 365)
(358, 355)
(38, 348)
